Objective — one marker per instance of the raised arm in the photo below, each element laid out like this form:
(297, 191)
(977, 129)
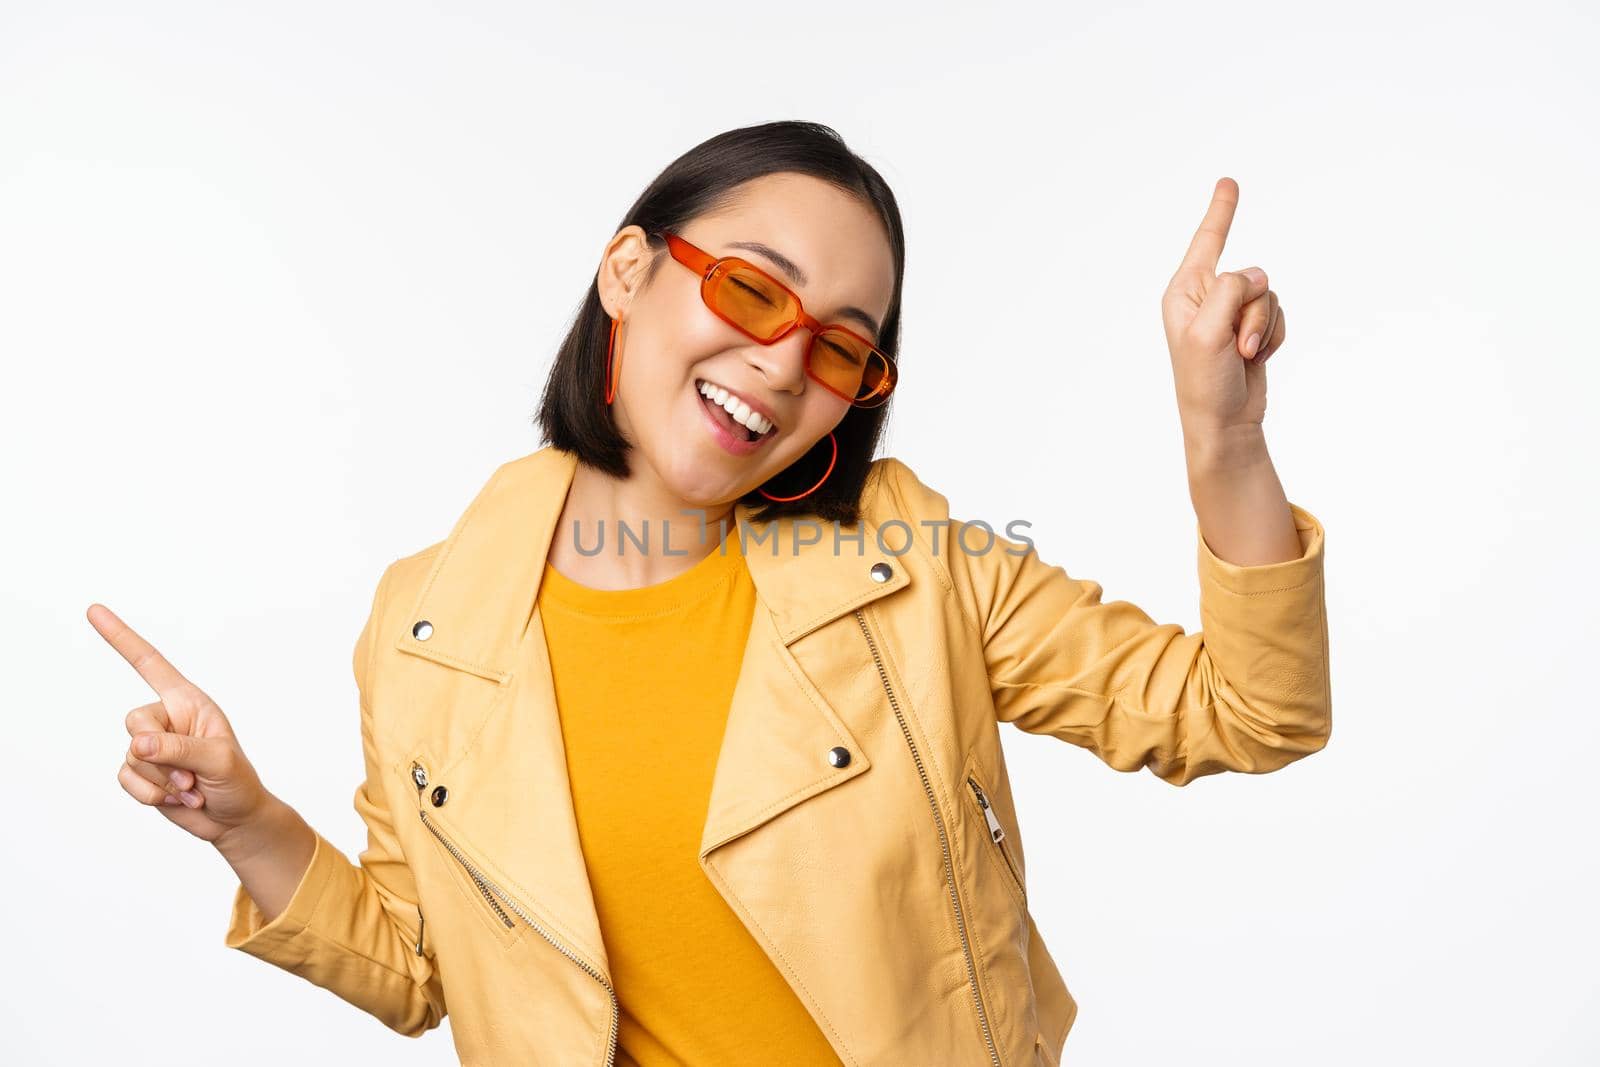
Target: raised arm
(1248, 692)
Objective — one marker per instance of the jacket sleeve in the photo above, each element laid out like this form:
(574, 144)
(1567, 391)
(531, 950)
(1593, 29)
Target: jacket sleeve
(353, 928)
(1250, 691)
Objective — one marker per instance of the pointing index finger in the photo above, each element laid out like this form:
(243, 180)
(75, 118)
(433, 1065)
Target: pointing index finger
(152, 666)
(1205, 251)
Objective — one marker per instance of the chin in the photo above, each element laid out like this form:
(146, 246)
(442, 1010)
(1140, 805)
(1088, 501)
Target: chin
(698, 483)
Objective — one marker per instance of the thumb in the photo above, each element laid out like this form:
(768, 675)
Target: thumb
(1225, 299)
(203, 755)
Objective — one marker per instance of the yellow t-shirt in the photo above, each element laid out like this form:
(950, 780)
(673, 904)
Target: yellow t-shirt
(643, 680)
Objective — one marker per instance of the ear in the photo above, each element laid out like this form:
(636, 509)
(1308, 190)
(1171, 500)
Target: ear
(622, 268)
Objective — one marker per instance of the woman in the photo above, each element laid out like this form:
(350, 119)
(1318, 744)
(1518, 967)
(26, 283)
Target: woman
(683, 745)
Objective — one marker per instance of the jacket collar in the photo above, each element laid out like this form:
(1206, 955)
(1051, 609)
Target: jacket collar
(478, 597)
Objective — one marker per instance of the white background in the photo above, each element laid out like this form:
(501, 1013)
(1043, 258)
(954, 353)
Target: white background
(279, 285)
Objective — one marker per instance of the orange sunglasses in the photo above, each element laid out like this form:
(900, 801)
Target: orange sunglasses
(765, 310)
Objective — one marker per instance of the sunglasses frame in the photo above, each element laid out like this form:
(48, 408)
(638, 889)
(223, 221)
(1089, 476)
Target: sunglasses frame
(706, 265)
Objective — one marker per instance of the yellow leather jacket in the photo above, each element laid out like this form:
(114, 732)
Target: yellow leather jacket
(860, 823)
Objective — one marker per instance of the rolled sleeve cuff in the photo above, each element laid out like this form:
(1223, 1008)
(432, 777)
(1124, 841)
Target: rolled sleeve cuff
(248, 929)
(1267, 577)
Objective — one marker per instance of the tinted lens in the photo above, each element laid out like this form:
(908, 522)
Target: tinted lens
(751, 299)
(849, 365)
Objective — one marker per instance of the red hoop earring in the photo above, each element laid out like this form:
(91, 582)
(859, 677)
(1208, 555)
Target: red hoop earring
(814, 488)
(611, 378)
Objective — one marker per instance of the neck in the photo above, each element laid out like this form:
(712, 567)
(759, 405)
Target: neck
(665, 534)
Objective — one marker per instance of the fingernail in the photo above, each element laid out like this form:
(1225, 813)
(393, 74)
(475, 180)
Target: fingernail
(1252, 344)
(170, 799)
(1255, 274)
(191, 798)
(145, 745)
(172, 776)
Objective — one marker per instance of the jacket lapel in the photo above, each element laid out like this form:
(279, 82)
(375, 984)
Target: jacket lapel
(781, 728)
(480, 600)
(478, 597)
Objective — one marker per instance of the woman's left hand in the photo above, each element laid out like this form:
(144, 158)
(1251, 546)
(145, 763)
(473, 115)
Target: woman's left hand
(1221, 329)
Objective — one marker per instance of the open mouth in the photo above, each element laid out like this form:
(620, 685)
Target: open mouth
(732, 414)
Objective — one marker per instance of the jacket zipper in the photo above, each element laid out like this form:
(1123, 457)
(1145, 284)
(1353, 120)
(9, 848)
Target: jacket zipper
(495, 895)
(997, 834)
(944, 842)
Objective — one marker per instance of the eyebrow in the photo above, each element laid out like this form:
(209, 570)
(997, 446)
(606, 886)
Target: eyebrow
(797, 277)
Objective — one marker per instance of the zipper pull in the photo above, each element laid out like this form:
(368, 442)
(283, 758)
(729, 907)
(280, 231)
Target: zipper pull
(420, 921)
(996, 831)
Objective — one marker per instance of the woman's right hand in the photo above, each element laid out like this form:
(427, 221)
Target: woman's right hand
(194, 772)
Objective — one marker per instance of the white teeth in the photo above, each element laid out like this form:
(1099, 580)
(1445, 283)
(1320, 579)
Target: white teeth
(741, 412)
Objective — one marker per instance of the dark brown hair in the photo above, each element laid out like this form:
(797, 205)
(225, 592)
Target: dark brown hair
(573, 414)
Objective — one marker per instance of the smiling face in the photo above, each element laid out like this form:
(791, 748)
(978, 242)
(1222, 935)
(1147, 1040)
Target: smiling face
(672, 350)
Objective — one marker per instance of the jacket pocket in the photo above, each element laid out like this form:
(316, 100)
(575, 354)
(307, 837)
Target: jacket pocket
(998, 917)
(476, 890)
(1000, 851)
(506, 916)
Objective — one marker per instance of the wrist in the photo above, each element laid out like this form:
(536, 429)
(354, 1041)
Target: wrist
(1222, 452)
(271, 823)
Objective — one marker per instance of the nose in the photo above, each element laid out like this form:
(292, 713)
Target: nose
(783, 363)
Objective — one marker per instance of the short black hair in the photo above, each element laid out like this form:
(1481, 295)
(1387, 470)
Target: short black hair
(573, 415)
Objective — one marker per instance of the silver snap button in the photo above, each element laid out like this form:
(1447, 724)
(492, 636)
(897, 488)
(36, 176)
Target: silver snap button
(438, 796)
(882, 572)
(839, 756)
(422, 630)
